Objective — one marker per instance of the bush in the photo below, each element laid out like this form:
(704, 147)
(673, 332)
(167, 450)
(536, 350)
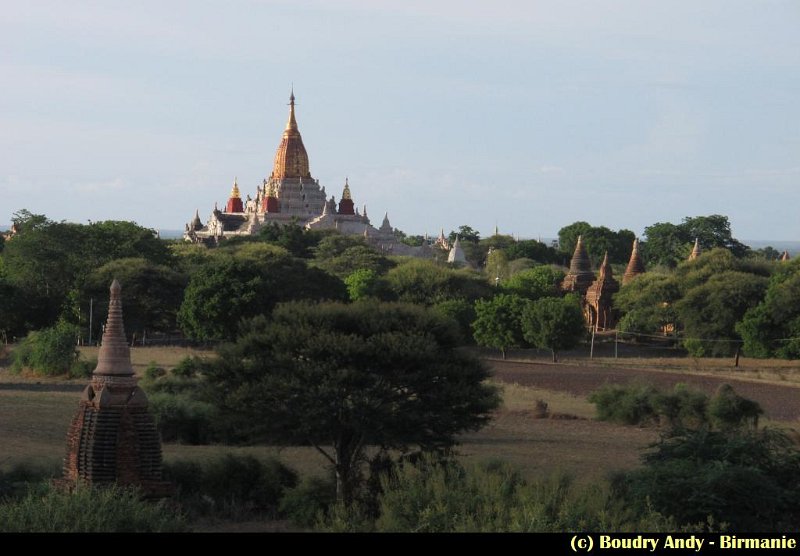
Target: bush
(16, 479)
(443, 496)
(50, 351)
(182, 418)
(728, 411)
(88, 510)
(153, 371)
(749, 480)
(628, 405)
(188, 367)
(231, 486)
(309, 501)
(82, 368)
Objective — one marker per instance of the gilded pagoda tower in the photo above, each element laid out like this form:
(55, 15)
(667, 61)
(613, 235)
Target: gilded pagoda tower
(297, 192)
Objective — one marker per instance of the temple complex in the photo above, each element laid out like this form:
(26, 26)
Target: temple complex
(290, 194)
(113, 438)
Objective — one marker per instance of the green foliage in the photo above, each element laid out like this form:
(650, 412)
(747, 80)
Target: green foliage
(597, 241)
(180, 413)
(669, 244)
(309, 501)
(465, 234)
(712, 309)
(627, 405)
(496, 266)
(554, 323)
(681, 409)
(231, 288)
(772, 329)
(88, 510)
(498, 322)
(462, 312)
(747, 480)
(647, 303)
(424, 282)
(361, 284)
(348, 376)
(16, 479)
(152, 294)
(434, 496)
(358, 257)
(532, 249)
(49, 352)
(82, 368)
(533, 284)
(154, 371)
(296, 239)
(188, 367)
(231, 486)
(728, 411)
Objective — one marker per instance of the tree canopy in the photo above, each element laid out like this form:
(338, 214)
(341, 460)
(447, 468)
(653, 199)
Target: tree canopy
(344, 377)
(554, 323)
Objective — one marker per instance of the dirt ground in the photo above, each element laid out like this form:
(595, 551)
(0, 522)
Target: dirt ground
(781, 402)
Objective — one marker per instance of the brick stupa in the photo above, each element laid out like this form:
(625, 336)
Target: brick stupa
(113, 438)
(580, 275)
(598, 297)
(635, 264)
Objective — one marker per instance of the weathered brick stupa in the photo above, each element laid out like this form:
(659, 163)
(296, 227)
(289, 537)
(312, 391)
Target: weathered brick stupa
(113, 438)
(580, 275)
(635, 264)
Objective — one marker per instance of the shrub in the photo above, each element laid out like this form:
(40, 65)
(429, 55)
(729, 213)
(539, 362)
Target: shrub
(727, 410)
(745, 479)
(50, 351)
(188, 367)
(182, 418)
(308, 502)
(628, 405)
(233, 486)
(88, 510)
(435, 495)
(153, 371)
(16, 479)
(82, 368)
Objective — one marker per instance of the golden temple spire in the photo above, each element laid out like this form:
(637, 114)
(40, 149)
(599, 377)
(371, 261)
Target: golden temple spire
(291, 125)
(235, 189)
(346, 192)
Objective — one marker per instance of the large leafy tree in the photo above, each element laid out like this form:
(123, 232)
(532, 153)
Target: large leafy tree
(345, 377)
(598, 241)
(230, 288)
(554, 323)
(772, 329)
(709, 312)
(535, 283)
(153, 294)
(498, 322)
(426, 283)
(669, 244)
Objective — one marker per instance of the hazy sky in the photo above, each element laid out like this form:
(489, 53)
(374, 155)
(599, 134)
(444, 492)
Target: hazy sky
(529, 114)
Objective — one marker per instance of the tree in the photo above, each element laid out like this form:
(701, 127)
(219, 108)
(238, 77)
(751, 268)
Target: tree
(424, 282)
(554, 323)
(747, 479)
(497, 322)
(647, 303)
(357, 257)
(466, 234)
(709, 312)
(361, 283)
(598, 240)
(535, 283)
(772, 329)
(669, 244)
(344, 377)
(153, 294)
(230, 288)
(568, 236)
(532, 249)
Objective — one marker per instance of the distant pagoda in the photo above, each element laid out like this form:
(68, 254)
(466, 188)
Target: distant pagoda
(635, 264)
(599, 297)
(113, 438)
(580, 275)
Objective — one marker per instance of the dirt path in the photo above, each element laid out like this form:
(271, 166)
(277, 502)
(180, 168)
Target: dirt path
(780, 402)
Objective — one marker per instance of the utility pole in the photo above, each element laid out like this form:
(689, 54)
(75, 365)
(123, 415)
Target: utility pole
(91, 311)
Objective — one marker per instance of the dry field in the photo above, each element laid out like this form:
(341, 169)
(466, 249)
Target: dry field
(35, 414)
